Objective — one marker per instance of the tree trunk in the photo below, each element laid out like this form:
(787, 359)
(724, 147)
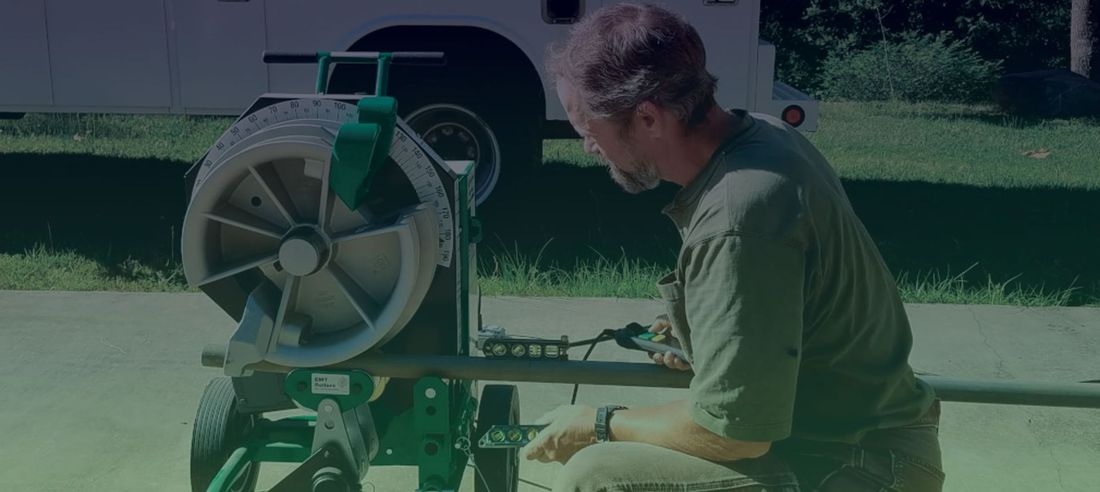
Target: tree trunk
(1084, 45)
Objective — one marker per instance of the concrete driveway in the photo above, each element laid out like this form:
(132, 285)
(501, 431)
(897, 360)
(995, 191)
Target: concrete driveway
(100, 388)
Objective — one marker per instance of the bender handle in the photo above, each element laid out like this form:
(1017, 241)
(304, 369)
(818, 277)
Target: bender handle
(397, 57)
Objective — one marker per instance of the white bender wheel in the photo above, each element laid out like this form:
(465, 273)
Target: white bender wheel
(349, 280)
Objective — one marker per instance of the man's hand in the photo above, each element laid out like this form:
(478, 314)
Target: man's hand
(570, 428)
(668, 359)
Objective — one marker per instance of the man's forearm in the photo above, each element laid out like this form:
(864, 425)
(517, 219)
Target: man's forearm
(671, 426)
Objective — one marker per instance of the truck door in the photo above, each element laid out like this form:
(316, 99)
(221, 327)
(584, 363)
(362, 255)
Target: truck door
(109, 56)
(219, 46)
(24, 56)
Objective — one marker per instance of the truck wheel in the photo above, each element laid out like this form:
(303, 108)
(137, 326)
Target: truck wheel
(465, 110)
(456, 132)
(219, 430)
(497, 470)
(501, 136)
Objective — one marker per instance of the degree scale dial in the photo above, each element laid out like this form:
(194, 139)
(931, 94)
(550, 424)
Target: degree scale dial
(407, 150)
(338, 281)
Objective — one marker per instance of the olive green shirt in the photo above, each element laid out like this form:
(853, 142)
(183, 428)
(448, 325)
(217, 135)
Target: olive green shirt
(789, 316)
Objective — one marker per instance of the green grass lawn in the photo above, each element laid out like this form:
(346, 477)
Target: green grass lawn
(942, 143)
(967, 206)
(163, 137)
(958, 145)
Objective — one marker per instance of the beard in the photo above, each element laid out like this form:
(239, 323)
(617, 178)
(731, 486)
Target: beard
(644, 177)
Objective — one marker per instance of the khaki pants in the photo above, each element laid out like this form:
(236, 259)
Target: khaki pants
(901, 459)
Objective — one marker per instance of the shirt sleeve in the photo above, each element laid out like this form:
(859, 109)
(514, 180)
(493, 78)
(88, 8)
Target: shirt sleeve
(743, 300)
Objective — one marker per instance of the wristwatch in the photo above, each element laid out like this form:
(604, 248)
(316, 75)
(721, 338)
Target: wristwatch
(603, 422)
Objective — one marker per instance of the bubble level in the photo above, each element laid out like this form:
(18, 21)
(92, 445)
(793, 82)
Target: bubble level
(509, 436)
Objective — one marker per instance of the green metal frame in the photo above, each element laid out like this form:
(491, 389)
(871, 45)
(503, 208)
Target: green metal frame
(435, 435)
(299, 386)
(469, 234)
(325, 59)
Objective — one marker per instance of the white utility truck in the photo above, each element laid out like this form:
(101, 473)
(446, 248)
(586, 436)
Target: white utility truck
(491, 102)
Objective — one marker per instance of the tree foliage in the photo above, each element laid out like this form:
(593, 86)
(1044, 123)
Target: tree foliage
(1022, 34)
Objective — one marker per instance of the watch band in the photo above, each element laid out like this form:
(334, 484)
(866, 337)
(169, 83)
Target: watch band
(603, 422)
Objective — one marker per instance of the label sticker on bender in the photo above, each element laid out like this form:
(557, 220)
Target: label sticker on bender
(331, 384)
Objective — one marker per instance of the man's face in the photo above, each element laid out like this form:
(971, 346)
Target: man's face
(604, 138)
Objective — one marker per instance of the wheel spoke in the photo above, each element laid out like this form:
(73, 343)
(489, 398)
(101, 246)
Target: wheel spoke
(273, 186)
(287, 305)
(234, 216)
(364, 304)
(362, 233)
(327, 196)
(239, 267)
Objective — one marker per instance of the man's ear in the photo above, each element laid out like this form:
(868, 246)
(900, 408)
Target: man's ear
(648, 119)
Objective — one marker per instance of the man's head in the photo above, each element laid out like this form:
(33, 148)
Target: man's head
(632, 77)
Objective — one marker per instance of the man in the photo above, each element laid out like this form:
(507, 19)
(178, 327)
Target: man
(790, 320)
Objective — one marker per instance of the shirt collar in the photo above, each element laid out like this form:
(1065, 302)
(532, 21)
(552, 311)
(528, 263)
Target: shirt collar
(690, 194)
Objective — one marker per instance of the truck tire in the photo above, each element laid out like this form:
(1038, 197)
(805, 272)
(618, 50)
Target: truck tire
(448, 108)
(501, 134)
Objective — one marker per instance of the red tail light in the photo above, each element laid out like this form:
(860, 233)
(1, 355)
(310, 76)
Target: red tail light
(794, 115)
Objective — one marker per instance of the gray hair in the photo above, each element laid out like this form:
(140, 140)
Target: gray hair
(625, 54)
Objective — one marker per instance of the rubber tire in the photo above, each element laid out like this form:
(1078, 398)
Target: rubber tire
(499, 404)
(219, 430)
(513, 118)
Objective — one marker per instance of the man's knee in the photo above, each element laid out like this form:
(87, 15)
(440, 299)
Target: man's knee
(592, 469)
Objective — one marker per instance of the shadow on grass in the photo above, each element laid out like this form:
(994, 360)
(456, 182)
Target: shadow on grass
(116, 209)
(1044, 238)
(582, 214)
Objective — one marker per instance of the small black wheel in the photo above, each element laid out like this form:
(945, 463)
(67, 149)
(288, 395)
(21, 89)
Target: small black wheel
(219, 430)
(497, 469)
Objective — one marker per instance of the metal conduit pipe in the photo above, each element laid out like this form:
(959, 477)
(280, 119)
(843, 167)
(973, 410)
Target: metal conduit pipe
(1005, 392)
